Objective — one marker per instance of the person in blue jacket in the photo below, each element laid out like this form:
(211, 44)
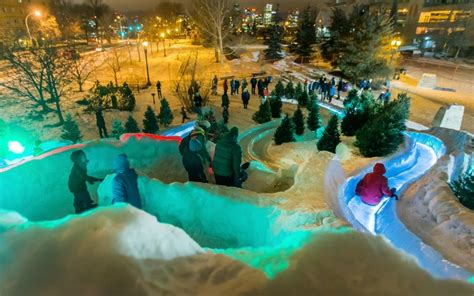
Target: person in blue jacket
(125, 185)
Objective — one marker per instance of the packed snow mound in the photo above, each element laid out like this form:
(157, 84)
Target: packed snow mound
(117, 250)
(353, 263)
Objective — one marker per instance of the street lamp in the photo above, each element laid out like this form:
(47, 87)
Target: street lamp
(162, 35)
(395, 45)
(35, 13)
(145, 48)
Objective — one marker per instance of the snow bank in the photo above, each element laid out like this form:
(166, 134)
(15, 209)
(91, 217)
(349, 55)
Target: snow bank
(38, 188)
(430, 209)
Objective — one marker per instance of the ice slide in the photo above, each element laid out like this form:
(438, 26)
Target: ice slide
(420, 154)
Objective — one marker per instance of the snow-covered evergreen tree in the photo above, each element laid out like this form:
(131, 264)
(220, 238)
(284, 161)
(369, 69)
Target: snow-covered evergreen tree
(330, 138)
(263, 114)
(131, 126)
(117, 129)
(306, 35)
(150, 122)
(165, 116)
(274, 50)
(357, 111)
(463, 188)
(314, 119)
(275, 106)
(382, 134)
(70, 130)
(127, 101)
(290, 90)
(285, 133)
(303, 99)
(298, 90)
(279, 89)
(298, 120)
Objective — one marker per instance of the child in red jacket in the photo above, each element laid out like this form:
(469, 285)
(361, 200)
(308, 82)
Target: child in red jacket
(374, 186)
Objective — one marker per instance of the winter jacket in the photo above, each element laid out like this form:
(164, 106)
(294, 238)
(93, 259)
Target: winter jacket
(253, 81)
(125, 188)
(227, 157)
(193, 162)
(225, 100)
(197, 101)
(199, 134)
(78, 179)
(245, 97)
(332, 90)
(99, 119)
(374, 186)
(225, 86)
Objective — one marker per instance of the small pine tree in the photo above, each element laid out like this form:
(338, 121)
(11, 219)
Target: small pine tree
(70, 130)
(279, 89)
(290, 90)
(117, 129)
(131, 126)
(312, 100)
(285, 133)
(273, 52)
(298, 90)
(314, 119)
(150, 122)
(298, 120)
(275, 106)
(127, 101)
(330, 137)
(382, 134)
(303, 99)
(263, 114)
(306, 35)
(165, 116)
(357, 111)
(463, 188)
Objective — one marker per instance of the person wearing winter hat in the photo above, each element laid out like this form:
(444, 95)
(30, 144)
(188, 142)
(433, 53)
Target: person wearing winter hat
(199, 132)
(125, 184)
(77, 182)
(193, 162)
(374, 186)
(227, 159)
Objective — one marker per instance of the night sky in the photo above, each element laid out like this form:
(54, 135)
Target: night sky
(134, 5)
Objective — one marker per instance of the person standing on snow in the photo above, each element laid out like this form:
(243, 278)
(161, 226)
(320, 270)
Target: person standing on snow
(225, 114)
(199, 132)
(193, 162)
(77, 182)
(374, 186)
(225, 101)
(214, 85)
(227, 159)
(340, 87)
(100, 122)
(225, 86)
(184, 114)
(125, 185)
(253, 82)
(244, 84)
(236, 86)
(197, 103)
(232, 87)
(245, 98)
(158, 89)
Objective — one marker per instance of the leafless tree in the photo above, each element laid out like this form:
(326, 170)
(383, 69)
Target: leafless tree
(82, 68)
(40, 74)
(113, 61)
(212, 18)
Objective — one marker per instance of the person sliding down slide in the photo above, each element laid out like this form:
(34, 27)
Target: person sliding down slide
(374, 186)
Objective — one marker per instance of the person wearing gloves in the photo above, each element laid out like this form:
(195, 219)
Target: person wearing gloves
(374, 186)
(125, 185)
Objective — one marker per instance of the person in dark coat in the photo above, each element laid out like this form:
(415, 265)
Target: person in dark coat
(260, 87)
(197, 103)
(227, 159)
(225, 101)
(225, 115)
(225, 86)
(245, 98)
(232, 87)
(237, 86)
(253, 82)
(193, 162)
(244, 84)
(158, 89)
(340, 87)
(201, 128)
(77, 182)
(374, 186)
(184, 114)
(125, 185)
(99, 118)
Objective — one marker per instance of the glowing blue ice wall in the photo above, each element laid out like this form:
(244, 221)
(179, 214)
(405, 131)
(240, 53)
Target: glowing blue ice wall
(420, 153)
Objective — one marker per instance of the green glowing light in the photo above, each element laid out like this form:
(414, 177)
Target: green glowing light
(15, 147)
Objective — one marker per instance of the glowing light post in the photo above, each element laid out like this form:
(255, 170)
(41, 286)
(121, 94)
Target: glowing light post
(35, 13)
(395, 45)
(162, 35)
(145, 48)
